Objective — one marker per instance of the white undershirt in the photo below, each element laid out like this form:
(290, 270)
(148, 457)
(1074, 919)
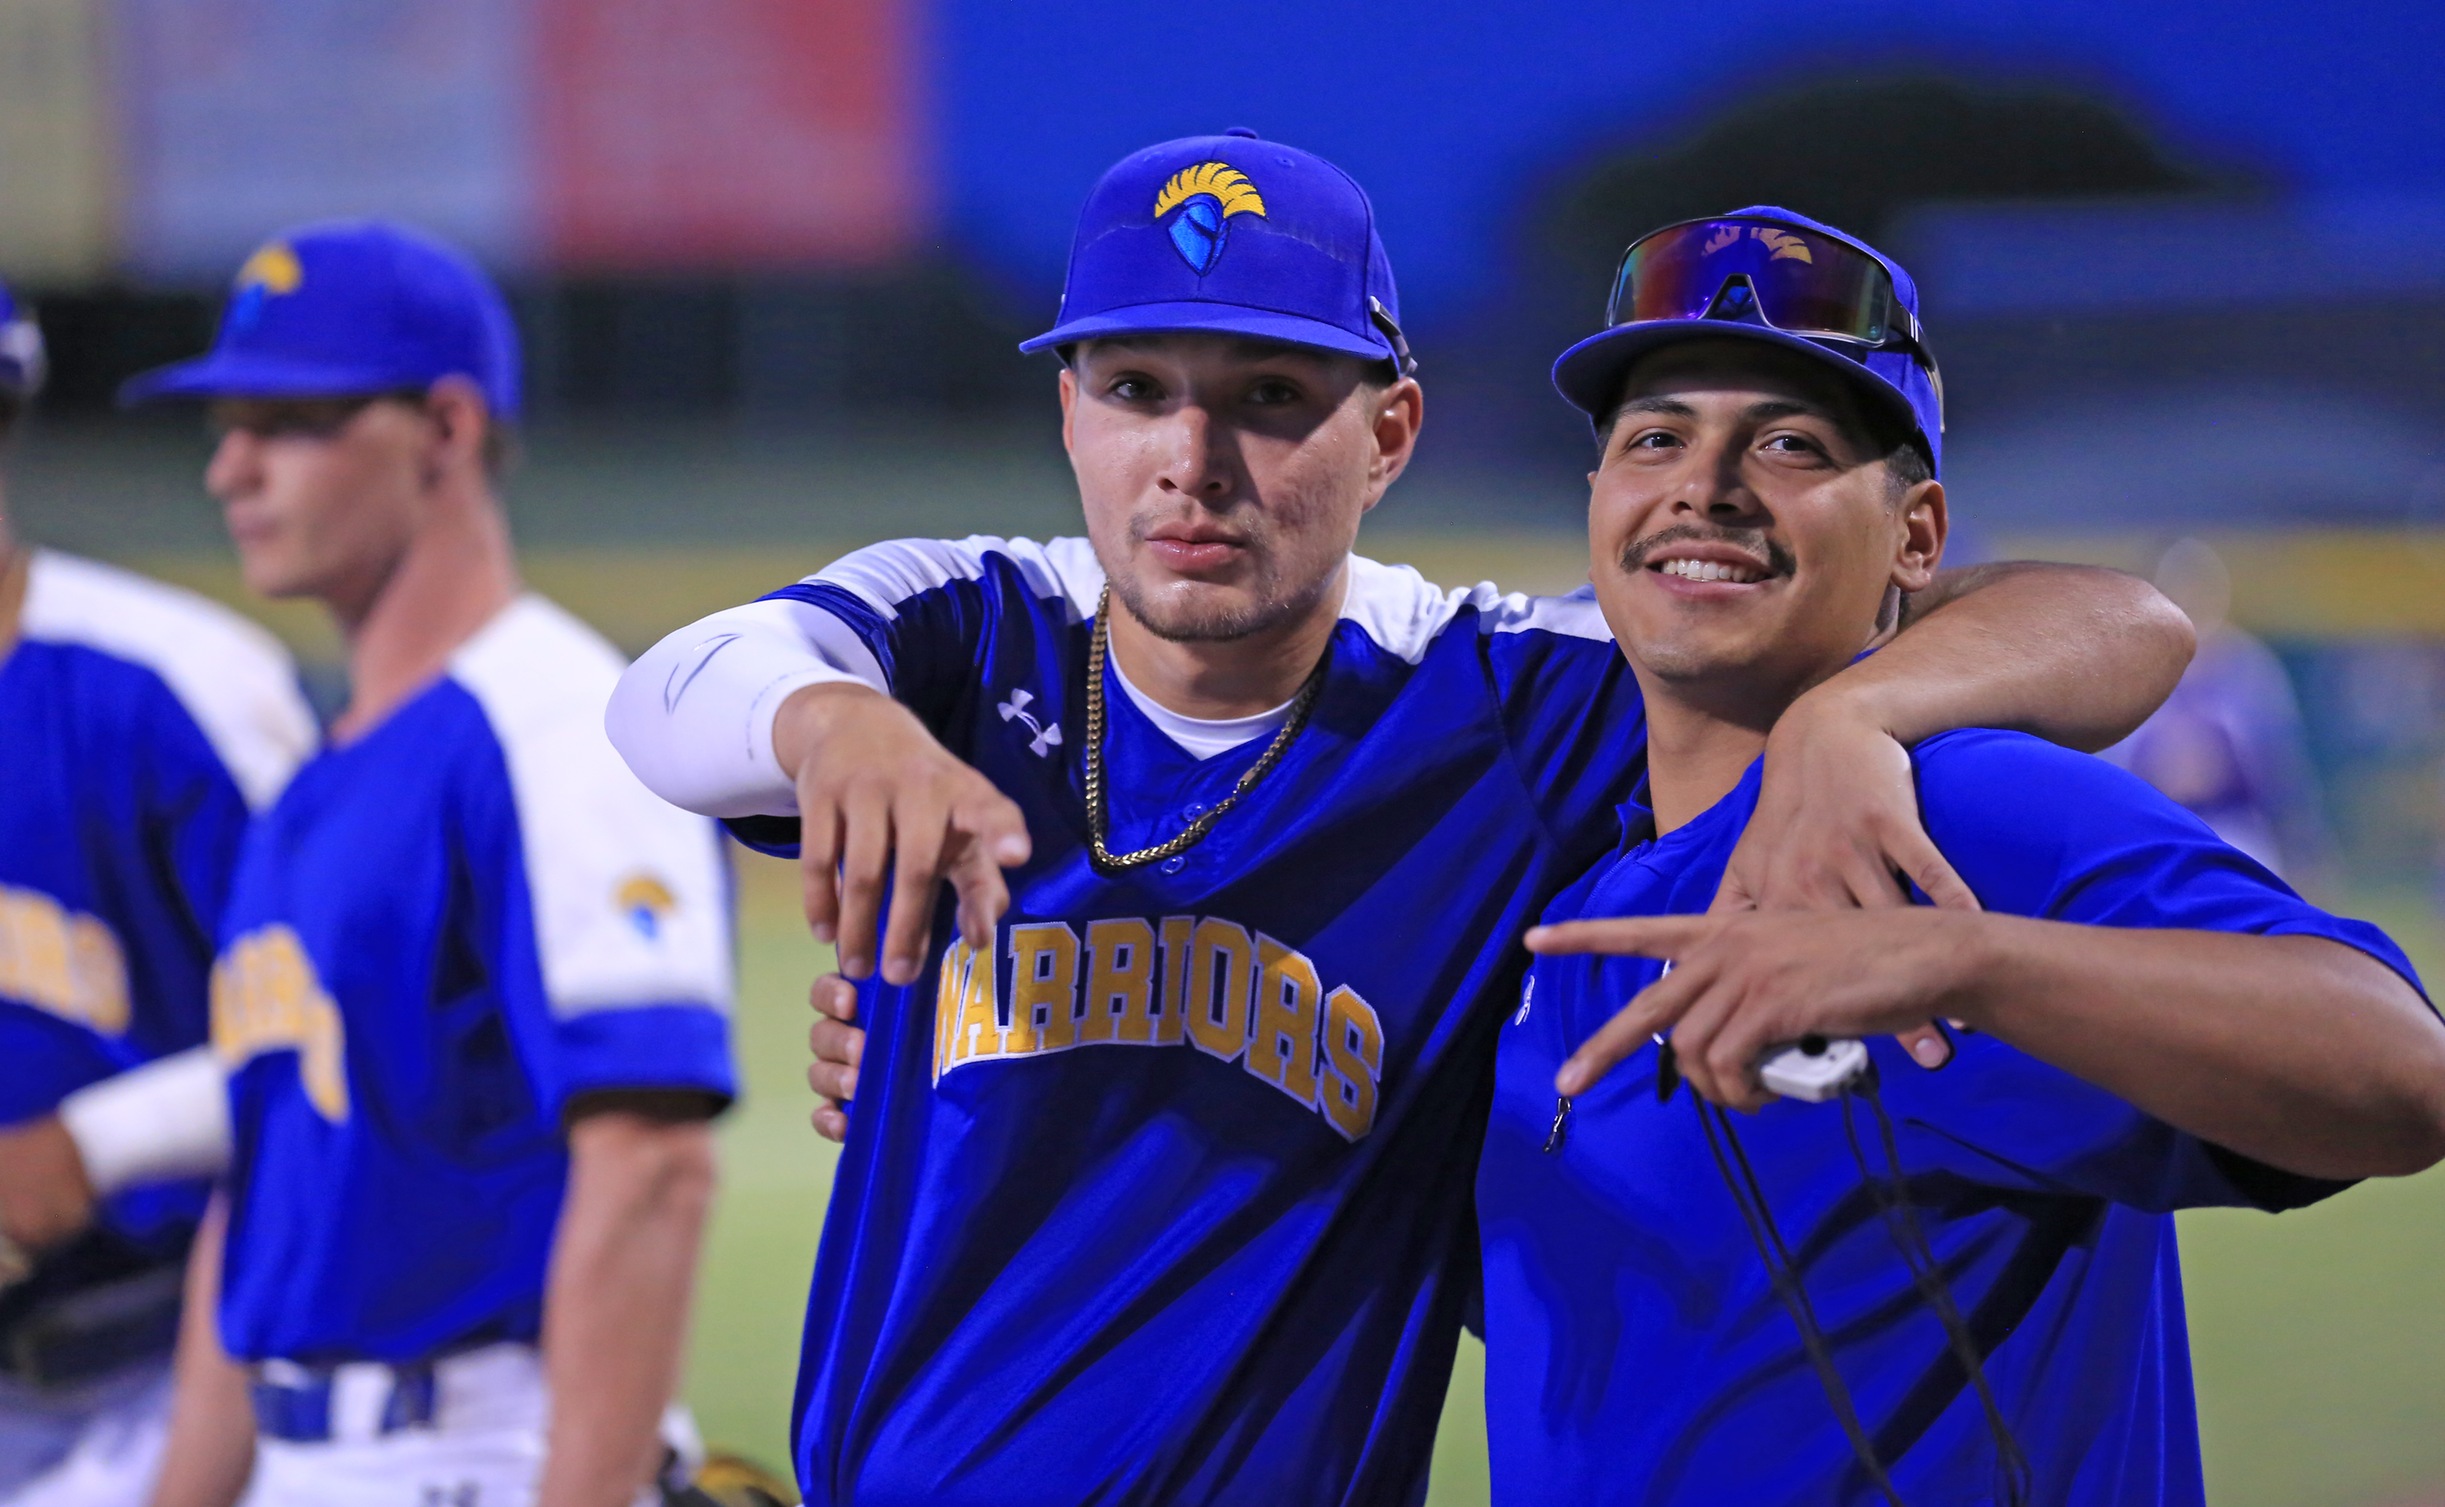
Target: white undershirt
(165, 1120)
(1202, 737)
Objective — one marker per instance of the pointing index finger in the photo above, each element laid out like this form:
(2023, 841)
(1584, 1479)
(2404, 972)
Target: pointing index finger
(1627, 936)
(1649, 1014)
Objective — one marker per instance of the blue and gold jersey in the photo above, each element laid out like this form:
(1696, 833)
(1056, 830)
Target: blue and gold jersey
(1166, 1197)
(441, 935)
(137, 726)
(1635, 1348)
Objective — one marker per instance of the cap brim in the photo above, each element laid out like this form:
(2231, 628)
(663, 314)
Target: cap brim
(234, 375)
(1199, 318)
(1590, 374)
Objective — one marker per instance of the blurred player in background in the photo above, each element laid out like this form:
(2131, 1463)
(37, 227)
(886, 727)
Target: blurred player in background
(473, 978)
(138, 726)
(2228, 745)
(1158, 1188)
(1766, 493)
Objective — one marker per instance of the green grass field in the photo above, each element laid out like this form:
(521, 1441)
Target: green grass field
(2319, 1337)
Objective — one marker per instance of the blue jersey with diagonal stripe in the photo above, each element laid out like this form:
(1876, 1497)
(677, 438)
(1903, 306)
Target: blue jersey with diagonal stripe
(1166, 1197)
(1636, 1351)
(137, 724)
(443, 934)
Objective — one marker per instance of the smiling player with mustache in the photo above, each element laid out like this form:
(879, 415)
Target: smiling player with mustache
(2160, 1023)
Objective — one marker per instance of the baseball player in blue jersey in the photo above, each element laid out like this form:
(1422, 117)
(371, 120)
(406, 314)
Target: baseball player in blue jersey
(472, 984)
(1157, 1188)
(1984, 1301)
(142, 724)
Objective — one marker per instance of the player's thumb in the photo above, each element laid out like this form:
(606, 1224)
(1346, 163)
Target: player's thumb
(1927, 1045)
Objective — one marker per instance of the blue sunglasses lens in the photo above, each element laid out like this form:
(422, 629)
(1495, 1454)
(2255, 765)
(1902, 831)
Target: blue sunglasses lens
(1802, 283)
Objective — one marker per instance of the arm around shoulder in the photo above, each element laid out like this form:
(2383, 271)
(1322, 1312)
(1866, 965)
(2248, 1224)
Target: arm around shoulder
(2074, 654)
(2077, 654)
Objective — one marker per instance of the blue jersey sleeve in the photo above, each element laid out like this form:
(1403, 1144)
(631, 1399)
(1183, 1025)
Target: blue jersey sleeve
(923, 615)
(128, 825)
(927, 609)
(1570, 709)
(2039, 831)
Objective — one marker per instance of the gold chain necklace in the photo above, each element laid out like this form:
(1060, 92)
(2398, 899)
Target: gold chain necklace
(1097, 821)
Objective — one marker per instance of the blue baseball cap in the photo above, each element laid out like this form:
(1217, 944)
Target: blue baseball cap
(1724, 276)
(21, 353)
(351, 308)
(1231, 235)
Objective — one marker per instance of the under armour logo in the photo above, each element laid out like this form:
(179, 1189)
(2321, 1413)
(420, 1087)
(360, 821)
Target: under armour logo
(1047, 734)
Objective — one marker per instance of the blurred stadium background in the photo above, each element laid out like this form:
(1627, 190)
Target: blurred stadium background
(2184, 263)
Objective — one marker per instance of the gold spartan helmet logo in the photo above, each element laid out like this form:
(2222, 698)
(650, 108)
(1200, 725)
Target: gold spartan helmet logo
(1220, 181)
(273, 268)
(1206, 197)
(645, 900)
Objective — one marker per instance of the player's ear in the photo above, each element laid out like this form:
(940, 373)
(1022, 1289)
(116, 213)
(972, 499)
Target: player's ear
(1400, 412)
(1069, 406)
(460, 417)
(1921, 524)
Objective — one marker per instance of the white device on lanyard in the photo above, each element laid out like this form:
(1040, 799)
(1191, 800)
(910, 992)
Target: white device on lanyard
(1814, 1068)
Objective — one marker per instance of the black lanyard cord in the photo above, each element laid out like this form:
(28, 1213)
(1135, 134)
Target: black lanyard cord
(1784, 1275)
(1893, 1201)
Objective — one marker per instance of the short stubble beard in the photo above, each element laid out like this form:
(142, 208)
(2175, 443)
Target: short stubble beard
(1267, 606)
(1187, 623)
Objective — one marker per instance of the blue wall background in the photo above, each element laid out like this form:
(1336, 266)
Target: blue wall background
(1454, 116)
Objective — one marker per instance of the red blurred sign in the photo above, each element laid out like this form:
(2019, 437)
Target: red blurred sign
(743, 133)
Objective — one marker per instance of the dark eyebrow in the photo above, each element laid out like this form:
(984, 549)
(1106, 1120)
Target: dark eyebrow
(1784, 408)
(1671, 407)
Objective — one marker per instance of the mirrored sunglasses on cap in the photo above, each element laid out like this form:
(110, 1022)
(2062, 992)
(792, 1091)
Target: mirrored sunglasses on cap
(1787, 278)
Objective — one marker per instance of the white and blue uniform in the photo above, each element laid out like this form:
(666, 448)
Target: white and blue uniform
(1635, 1348)
(141, 726)
(443, 935)
(1166, 1199)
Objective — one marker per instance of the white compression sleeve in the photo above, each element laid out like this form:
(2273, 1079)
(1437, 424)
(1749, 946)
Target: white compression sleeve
(166, 1120)
(694, 716)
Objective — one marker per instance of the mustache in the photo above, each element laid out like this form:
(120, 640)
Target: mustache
(1754, 542)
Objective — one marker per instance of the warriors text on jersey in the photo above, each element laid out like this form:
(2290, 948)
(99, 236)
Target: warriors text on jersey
(441, 935)
(1165, 1197)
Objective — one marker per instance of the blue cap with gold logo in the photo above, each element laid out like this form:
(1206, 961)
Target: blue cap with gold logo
(1231, 235)
(349, 309)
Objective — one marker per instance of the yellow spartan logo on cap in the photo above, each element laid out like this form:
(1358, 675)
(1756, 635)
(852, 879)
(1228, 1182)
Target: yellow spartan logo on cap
(273, 268)
(1220, 181)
